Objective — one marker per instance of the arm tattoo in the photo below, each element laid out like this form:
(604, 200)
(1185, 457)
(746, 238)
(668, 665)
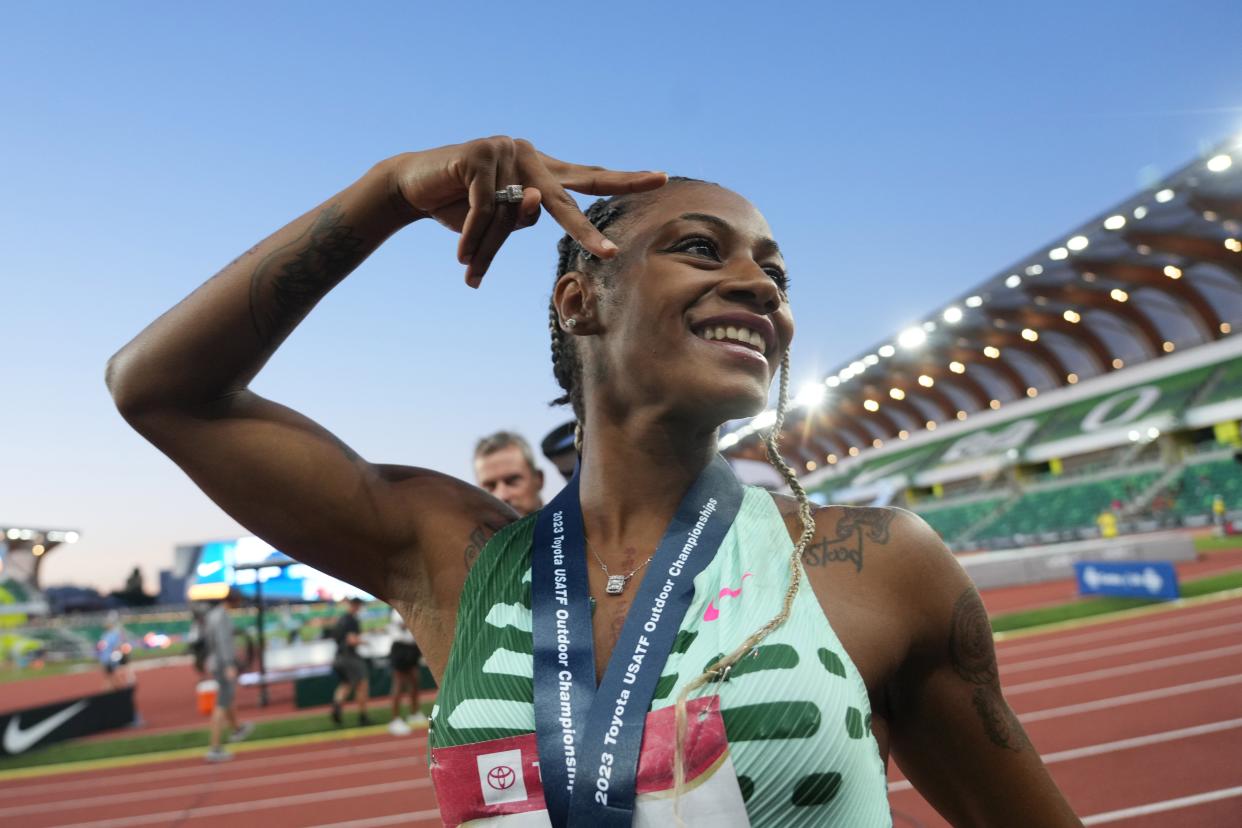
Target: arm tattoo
(312, 263)
(857, 527)
(973, 656)
(479, 537)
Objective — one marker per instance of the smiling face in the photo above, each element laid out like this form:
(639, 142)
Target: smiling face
(691, 317)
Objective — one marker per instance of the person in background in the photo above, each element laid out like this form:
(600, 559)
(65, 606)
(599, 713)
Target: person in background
(1107, 521)
(349, 666)
(559, 448)
(222, 662)
(1218, 514)
(113, 648)
(504, 467)
(404, 657)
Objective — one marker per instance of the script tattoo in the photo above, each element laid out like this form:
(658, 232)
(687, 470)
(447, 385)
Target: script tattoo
(311, 265)
(855, 529)
(973, 656)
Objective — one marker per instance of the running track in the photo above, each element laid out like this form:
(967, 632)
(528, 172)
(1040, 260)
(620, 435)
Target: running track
(1137, 719)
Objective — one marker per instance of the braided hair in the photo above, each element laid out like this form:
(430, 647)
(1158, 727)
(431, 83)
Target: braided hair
(567, 368)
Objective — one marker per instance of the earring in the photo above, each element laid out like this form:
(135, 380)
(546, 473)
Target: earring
(571, 323)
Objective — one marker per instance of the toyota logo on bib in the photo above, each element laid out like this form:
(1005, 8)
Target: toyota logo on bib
(501, 777)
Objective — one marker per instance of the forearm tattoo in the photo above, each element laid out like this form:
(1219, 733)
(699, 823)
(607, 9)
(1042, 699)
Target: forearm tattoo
(854, 530)
(280, 295)
(973, 656)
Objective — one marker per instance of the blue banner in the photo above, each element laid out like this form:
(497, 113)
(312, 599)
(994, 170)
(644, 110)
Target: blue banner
(589, 738)
(1156, 580)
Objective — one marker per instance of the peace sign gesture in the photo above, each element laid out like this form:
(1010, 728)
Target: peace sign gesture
(459, 186)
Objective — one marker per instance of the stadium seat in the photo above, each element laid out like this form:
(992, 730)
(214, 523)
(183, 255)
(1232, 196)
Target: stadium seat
(1066, 508)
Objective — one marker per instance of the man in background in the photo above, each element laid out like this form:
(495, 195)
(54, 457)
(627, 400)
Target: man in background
(222, 662)
(349, 666)
(404, 658)
(505, 467)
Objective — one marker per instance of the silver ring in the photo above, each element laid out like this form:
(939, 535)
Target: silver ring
(510, 195)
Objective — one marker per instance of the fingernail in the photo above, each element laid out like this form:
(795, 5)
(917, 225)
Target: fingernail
(609, 246)
(474, 281)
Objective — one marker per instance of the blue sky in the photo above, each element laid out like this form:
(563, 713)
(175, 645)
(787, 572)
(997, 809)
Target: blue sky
(902, 153)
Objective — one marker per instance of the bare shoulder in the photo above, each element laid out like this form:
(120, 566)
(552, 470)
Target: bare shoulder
(888, 553)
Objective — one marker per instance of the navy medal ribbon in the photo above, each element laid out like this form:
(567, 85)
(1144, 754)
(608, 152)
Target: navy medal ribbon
(589, 739)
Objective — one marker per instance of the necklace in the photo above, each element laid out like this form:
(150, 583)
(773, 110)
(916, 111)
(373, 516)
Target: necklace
(616, 583)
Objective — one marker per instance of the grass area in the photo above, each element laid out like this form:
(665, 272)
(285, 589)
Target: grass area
(1099, 606)
(1211, 543)
(57, 668)
(194, 738)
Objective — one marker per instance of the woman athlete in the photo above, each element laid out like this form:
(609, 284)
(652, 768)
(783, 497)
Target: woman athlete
(814, 642)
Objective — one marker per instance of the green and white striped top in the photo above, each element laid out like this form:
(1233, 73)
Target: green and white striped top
(796, 710)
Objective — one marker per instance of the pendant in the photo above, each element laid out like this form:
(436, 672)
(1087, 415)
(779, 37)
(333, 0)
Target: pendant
(616, 583)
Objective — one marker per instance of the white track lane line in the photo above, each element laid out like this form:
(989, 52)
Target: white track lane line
(208, 783)
(1129, 647)
(241, 761)
(1132, 698)
(1123, 670)
(391, 819)
(182, 814)
(1116, 629)
(1113, 747)
(1161, 807)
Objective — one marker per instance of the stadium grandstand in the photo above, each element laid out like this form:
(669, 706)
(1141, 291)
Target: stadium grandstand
(1093, 387)
(22, 550)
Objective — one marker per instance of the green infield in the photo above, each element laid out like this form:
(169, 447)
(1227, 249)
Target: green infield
(1211, 543)
(1088, 607)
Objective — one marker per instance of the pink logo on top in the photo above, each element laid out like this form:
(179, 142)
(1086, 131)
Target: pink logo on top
(711, 613)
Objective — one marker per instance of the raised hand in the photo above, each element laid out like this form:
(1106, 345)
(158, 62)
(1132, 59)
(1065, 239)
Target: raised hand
(456, 185)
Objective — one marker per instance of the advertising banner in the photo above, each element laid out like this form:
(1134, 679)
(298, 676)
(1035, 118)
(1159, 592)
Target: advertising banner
(1132, 579)
(24, 730)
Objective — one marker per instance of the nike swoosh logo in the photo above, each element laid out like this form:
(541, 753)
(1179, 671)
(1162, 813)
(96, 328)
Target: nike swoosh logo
(711, 613)
(17, 740)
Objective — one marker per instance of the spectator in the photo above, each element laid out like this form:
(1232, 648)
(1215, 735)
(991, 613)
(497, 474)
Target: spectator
(222, 661)
(1218, 514)
(505, 467)
(404, 658)
(349, 666)
(113, 649)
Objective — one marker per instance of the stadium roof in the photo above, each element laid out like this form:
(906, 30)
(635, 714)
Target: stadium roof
(1158, 273)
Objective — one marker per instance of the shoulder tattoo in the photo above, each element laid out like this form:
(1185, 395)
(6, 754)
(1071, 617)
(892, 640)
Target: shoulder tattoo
(856, 528)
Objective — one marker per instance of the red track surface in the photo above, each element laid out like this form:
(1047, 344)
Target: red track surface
(1137, 720)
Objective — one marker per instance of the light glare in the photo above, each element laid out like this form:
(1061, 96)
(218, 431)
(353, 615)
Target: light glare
(1219, 163)
(912, 338)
